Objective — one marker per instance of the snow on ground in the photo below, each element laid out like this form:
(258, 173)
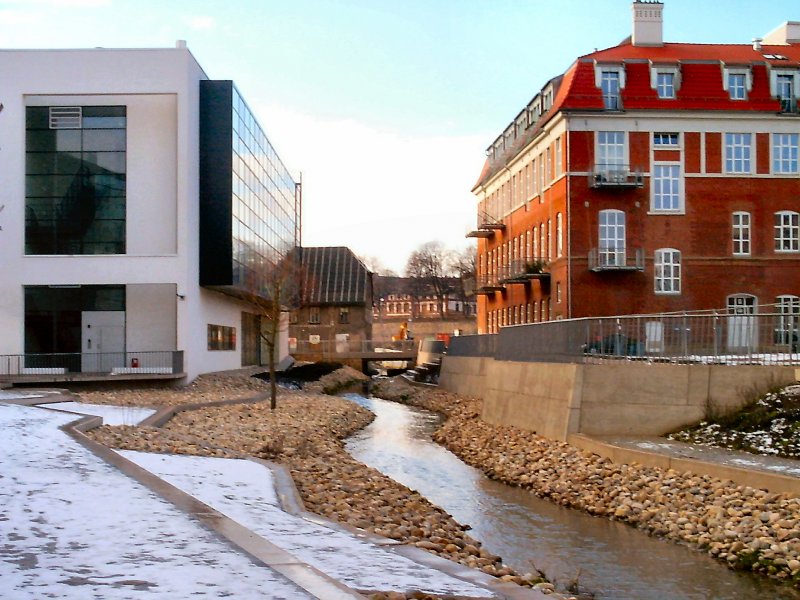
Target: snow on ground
(243, 491)
(112, 415)
(74, 527)
(20, 395)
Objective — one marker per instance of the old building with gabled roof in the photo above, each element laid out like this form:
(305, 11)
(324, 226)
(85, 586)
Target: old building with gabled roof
(649, 177)
(336, 298)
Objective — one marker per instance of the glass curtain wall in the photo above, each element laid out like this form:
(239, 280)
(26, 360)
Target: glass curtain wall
(75, 179)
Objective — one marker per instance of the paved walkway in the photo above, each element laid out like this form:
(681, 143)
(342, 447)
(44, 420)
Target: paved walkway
(73, 525)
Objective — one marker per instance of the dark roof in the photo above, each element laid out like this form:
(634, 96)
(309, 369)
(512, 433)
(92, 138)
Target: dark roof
(334, 276)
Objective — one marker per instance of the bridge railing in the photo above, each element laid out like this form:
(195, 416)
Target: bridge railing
(334, 347)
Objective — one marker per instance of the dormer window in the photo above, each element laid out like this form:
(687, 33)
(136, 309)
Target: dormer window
(666, 81)
(611, 85)
(737, 82)
(785, 86)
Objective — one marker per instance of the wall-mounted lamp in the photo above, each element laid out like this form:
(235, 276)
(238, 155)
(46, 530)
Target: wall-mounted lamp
(181, 296)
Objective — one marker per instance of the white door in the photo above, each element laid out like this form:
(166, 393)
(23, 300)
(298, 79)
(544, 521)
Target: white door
(742, 323)
(612, 238)
(102, 340)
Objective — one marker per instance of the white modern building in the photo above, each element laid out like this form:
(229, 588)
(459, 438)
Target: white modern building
(141, 208)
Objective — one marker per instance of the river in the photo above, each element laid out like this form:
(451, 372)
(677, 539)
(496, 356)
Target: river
(607, 558)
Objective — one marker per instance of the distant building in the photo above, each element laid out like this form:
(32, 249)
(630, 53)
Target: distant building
(405, 298)
(649, 177)
(337, 299)
(142, 209)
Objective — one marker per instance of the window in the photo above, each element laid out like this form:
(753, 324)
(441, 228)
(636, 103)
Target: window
(784, 152)
(666, 186)
(549, 239)
(75, 179)
(610, 86)
(668, 271)
(612, 238)
(610, 151)
(221, 337)
(559, 235)
(313, 315)
(741, 304)
(787, 231)
(737, 152)
(665, 85)
(344, 315)
(741, 234)
(737, 86)
(293, 317)
(558, 292)
(662, 140)
(559, 158)
(788, 309)
(784, 91)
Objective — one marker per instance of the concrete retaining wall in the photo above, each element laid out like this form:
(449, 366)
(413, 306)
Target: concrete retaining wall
(624, 398)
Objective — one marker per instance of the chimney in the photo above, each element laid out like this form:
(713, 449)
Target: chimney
(757, 44)
(180, 44)
(648, 23)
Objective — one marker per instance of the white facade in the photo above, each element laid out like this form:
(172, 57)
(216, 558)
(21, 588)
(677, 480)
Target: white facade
(165, 307)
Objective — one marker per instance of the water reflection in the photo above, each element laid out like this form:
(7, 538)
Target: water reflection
(610, 559)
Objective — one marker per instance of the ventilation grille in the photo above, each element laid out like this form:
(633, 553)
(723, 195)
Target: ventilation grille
(65, 117)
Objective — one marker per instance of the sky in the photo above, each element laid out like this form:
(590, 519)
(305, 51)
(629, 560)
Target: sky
(384, 108)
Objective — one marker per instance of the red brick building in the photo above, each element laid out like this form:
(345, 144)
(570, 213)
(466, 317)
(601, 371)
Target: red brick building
(649, 177)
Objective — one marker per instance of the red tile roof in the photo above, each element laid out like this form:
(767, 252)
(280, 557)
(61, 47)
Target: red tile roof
(701, 83)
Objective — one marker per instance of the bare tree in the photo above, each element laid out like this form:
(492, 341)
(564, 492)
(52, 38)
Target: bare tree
(282, 292)
(429, 266)
(462, 266)
(375, 265)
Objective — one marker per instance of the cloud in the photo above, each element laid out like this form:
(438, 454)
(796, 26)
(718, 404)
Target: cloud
(201, 22)
(382, 193)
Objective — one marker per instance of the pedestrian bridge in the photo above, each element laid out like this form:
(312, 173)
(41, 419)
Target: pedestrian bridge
(364, 350)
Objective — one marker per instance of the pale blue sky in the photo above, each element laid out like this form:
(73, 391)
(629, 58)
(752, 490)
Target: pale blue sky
(386, 107)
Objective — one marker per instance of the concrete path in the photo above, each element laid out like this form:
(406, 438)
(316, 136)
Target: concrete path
(79, 522)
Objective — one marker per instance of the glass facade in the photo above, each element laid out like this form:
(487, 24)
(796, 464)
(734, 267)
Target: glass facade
(75, 179)
(53, 314)
(264, 220)
(249, 202)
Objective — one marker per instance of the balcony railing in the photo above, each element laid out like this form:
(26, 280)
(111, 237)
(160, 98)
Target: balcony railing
(789, 105)
(616, 258)
(615, 176)
(488, 283)
(354, 347)
(523, 270)
(65, 365)
(487, 225)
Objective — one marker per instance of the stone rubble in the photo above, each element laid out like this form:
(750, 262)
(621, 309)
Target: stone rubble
(306, 433)
(746, 528)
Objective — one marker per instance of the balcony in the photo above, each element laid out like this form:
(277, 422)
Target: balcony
(789, 105)
(615, 176)
(612, 258)
(524, 270)
(487, 284)
(487, 225)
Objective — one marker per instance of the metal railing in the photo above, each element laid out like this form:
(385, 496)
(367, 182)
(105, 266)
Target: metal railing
(524, 269)
(615, 175)
(714, 338)
(616, 259)
(333, 347)
(488, 281)
(158, 362)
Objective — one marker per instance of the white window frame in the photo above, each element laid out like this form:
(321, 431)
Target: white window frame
(600, 72)
(667, 271)
(559, 235)
(657, 195)
(612, 152)
(739, 165)
(666, 81)
(611, 238)
(748, 82)
(662, 140)
(742, 222)
(786, 327)
(785, 153)
(795, 81)
(559, 158)
(742, 304)
(787, 232)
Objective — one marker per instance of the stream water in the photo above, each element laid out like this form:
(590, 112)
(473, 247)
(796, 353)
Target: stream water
(609, 559)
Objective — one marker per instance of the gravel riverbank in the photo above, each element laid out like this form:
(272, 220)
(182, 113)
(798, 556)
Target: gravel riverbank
(306, 434)
(746, 528)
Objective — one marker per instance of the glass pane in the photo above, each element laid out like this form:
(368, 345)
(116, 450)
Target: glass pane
(104, 139)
